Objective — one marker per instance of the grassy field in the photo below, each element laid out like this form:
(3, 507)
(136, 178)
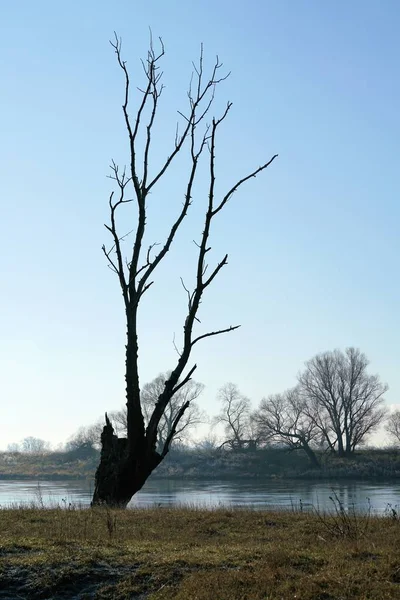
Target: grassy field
(197, 554)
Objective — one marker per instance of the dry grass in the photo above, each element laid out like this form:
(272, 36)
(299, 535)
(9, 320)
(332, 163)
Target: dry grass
(194, 554)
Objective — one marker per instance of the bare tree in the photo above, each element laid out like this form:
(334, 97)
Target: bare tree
(33, 445)
(282, 418)
(14, 447)
(126, 463)
(85, 437)
(208, 445)
(345, 402)
(235, 416)
(185, 395)
(119, 421)
(393, 426)
(149, 396)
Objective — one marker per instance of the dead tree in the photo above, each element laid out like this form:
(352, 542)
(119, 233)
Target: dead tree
(126, 463)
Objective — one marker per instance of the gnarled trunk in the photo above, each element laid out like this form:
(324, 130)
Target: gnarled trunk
(120, 473)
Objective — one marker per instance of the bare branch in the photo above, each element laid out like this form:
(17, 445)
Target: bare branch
(148, 261)
(188, 200)
(171, 434)
(176, 347)
(145, 288)
(241, 181)
(193, 119)
(119, 268)
(185, 380)
(211, 333)
(112, 264)
(217, 269)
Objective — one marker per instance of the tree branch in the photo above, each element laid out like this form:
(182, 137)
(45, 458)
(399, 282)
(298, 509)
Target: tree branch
(211, 333)
(173, 428)
(185, 380)
(240, 182)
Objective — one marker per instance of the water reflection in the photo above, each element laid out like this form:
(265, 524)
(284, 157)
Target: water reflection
(271, 494)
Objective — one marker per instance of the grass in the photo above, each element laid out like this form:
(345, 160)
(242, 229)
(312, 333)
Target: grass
(186, 554)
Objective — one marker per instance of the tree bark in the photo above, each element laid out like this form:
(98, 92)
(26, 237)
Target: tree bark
(121, 473)
(311, 455)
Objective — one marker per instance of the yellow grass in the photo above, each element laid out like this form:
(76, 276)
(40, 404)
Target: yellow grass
(195, 554)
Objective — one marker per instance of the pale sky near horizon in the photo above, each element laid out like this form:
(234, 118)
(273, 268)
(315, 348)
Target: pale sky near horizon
(313, 243)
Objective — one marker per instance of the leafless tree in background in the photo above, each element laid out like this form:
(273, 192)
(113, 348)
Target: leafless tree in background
(126, 463)
(345, 402)
(235, 416)
(85, 437)
(393, 426)
(282, 418)
(149, 396)
(32, 445)
(209, 444)
(119, 421)
(14, 447)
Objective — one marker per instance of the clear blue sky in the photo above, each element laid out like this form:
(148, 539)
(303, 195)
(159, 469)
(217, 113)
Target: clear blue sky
(313, 243)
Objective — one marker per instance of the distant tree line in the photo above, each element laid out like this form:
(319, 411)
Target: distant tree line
(30, 445)
(334, 407)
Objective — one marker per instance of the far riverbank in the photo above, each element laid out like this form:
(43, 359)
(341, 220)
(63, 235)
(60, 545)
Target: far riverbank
(263, 464)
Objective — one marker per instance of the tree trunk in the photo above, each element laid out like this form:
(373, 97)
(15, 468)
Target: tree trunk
(311, 455)
(349, 448)
(120, 474)
(340, 450)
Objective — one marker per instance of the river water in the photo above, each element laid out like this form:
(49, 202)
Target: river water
(234, 493)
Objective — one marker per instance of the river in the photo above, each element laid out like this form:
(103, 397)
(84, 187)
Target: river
(211, 494)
